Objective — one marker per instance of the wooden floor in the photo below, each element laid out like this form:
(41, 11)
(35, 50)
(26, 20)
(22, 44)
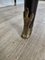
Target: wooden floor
(12, 46)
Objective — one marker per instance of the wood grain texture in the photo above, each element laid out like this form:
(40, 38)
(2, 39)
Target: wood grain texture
(12, 46)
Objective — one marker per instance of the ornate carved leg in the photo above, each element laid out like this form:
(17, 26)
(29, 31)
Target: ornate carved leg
(29, 15)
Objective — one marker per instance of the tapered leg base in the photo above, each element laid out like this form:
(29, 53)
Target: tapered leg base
(27, 30)
(15, 4)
